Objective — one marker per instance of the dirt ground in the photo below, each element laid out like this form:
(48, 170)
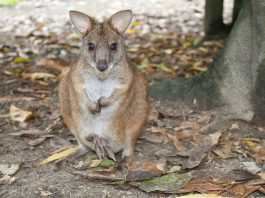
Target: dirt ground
(49, 48)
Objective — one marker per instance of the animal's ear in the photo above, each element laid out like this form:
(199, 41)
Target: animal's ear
(121, 20)
(81, 21)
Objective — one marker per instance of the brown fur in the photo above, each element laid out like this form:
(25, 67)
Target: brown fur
(129, 117)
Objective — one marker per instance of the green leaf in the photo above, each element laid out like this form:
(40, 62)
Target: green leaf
(105, 164)
(115, 183)
(9, 2)
(164, 68)
(144, 64)
(90, 158)
(167, 183)
(21, 60)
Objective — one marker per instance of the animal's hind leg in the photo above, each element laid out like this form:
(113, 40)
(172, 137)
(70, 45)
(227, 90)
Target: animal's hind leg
(127, 155)
(102, 148)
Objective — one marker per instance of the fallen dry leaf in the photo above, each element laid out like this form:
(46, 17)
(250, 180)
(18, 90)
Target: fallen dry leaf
(255, 149)
(144, 171)
(190, 125)
(36, 141)
(178, 144)
(20, 115)
(41, 75)
(224, 149)
(201, 196)
(7, 180)
(238, 175)
(80, 165)
(262, 175)
(174, 169)
(234, 126)
(6, 169)
(53, 64)
(95, 163)
(196, 152)
(68, 151)
(205, 119)
(157, 130)
(44, 193)
(261, 129)
(33, 136)
(168, 183)
(108, 176)
(152, 138)
(30, 133)
(251, 167)
(13, 98)
(201, 186)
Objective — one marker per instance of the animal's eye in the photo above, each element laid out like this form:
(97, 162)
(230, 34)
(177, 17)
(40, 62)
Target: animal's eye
(113, 46)
(91, 46)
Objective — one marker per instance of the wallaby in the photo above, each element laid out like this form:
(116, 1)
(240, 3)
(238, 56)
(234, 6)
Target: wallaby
(104, 98)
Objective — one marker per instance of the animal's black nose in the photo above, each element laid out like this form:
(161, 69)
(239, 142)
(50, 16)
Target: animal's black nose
(102, 65)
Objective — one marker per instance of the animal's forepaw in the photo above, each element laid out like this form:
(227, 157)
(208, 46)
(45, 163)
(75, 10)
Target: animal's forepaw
(95, 108)
(103, 101)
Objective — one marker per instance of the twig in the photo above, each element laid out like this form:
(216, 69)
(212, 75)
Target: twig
(96, 176)
(251, 191)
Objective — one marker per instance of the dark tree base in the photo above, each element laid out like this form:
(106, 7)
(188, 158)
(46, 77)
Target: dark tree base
(236, 80)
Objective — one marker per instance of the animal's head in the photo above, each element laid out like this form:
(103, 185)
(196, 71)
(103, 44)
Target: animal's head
(102, 43)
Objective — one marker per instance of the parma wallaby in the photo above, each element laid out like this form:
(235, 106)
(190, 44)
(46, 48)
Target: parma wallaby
(104, 98)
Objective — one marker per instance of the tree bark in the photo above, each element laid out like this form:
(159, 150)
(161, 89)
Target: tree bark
(235, 82)
(213, 21)
(236, 9)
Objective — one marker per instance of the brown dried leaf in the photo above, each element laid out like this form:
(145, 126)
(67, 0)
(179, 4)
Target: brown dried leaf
(261, 129)
(234, 126)
(53, 64)
(152, 138)
(262, 175)
(200, 186)
(238, 175)
(5, 169)
(189, 125)
(44, 193)
(7, 180)
(157, 130)
(178, 144)
(30, 133)
(102, 175)
(144, 171)
(20, 115)
(174, 169)
(193, 156)
(255, 149)
(205, 119)
(13, 98)
(224, 149)
(36, 141)
(95, 163)
(41, 75)
(153, 116)
(67, 152)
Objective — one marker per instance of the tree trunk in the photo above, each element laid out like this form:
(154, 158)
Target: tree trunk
(236, 9)
(236, 79)
(213, 21)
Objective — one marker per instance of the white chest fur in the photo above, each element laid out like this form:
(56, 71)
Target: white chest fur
(100, 124)
(96, 88)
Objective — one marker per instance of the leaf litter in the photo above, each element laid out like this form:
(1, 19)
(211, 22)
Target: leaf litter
(6, 169)
(161, 56)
